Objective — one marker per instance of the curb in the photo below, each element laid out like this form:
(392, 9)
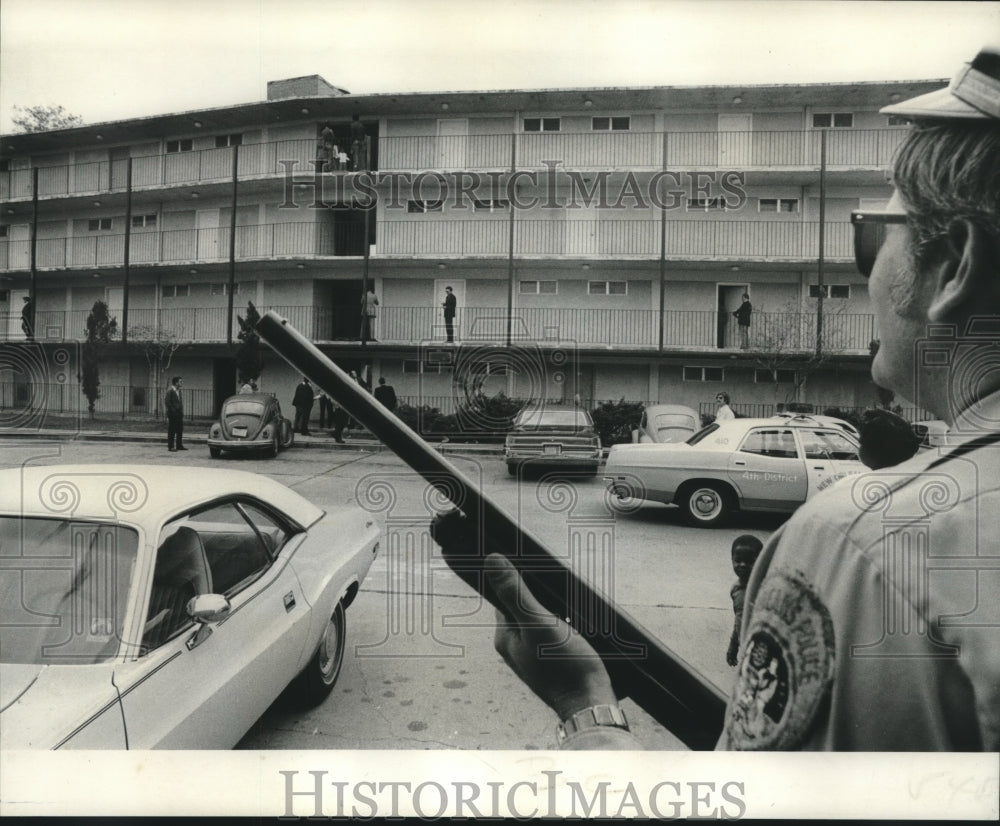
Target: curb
(370, 445)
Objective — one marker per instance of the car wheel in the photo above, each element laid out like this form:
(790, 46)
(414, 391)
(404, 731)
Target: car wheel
(215, 452)
(706, 505)
(318, 678)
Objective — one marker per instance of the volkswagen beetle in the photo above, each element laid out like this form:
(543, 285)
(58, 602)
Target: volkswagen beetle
(250, 422)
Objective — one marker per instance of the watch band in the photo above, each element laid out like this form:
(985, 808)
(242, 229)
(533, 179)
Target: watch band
(593, 717)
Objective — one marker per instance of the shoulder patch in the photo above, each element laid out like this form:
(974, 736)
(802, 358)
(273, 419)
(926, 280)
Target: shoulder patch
(786, 666)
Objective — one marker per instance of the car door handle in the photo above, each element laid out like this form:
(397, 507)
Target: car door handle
(289, 601)
(819, 467)
(741, 464)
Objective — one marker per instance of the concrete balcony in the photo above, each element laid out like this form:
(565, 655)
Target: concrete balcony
(647, 151)
(694, 331)
(708, 239)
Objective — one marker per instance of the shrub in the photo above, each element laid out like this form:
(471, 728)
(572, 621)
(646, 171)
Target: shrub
(615, 421)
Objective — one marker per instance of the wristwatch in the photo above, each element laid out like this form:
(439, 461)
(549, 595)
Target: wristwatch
(606, 714)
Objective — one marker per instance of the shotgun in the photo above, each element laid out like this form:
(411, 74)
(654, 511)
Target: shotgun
(641, 667)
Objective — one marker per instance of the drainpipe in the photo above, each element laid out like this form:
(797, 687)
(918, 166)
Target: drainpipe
(510, 245)
(33, 251)
(232, 250)
(128, 248)
(822, 233)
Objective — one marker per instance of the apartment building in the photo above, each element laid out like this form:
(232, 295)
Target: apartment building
(597, 241)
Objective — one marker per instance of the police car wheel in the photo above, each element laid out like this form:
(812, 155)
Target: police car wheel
(706, 505)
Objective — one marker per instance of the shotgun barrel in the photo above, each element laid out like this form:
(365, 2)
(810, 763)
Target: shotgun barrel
(641, 667)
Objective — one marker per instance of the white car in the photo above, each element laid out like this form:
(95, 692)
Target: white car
(740, 464)
(166, 607)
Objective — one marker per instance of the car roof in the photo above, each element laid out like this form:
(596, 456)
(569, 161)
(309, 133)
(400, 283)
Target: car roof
(261, 398)
(797, 422)
(137, 494)
(660, 409)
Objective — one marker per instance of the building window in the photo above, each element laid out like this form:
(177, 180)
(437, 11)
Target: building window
(778, 205)
(704, 374)
(222, 288)
(425, 206)
(184, 145)
(607, 287)
(228, 140)
(830, 291)
(898, 120)
(490, 204)
(765, 376)
(836, 120)
(139, 221)
(540, 287)
(705, 204)
(542, 124)
(175, 290)
(619, 124)
(426, 366)
(98, 224)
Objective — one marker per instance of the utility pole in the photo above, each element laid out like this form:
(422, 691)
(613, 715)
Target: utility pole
(822, 234)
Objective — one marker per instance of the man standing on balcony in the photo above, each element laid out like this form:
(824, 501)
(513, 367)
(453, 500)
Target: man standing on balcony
(28, 318)
(359, 147)
(174, 404)
(742, 316)
(838, 611)
(450, 303)
(302, 401)
(369, 308)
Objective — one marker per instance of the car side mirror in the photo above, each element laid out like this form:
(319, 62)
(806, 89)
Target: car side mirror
(203, 609)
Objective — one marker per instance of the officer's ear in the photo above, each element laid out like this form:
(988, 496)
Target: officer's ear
(965, 273)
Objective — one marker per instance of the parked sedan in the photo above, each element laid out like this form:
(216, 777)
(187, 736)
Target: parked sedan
(161, 607)
(250, 422)
(665, 424)
(741, 464)
(557, 436)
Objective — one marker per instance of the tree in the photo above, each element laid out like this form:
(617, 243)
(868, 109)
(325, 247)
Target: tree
(783, 344)
(158, 346)
(248, 364)
(43, 118)
(101, 328)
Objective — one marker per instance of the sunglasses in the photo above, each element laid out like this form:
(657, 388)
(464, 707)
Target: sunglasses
(869, 235)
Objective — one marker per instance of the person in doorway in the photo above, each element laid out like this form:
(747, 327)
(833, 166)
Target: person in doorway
(742, 316)
(450, 305)
(28, 318)
(369, 309)
(173, 402)
(385, 394)
(359, 144)
(302, 401)
(724, 412)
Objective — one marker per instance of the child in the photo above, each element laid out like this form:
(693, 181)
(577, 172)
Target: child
(745, 551)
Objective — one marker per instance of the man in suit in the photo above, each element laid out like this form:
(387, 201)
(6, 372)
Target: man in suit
(302, 401)
(174, 404)
(385, 395)
(450, 303)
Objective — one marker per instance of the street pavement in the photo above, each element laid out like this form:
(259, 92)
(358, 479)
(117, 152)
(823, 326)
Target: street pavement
(420, 670)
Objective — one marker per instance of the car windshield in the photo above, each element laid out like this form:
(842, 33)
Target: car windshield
(63, 589)
(701, 434)
(244, 408)
(569, 419)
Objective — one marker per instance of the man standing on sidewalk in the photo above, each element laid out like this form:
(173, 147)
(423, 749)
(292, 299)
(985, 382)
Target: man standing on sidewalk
(302, 401)
(174, 404)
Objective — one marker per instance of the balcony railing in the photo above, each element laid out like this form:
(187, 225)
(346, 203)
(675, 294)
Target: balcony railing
(691, 330)
(699, 239)
(166, 246)
(852, 148)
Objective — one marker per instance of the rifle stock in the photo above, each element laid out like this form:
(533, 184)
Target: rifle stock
(641, 667)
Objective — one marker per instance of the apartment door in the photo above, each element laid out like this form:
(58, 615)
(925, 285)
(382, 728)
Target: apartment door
(453, 138)
(439, 330)
(114, 297)
(119, 167)
(582, 231)
(341, 319)
(734, 140)
(207, 225)
(18, 246)
(730, 296)
(223, 382)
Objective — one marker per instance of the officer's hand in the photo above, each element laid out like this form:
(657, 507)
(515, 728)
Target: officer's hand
(552, 659)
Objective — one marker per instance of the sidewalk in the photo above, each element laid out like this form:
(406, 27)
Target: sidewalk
(200, 437)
